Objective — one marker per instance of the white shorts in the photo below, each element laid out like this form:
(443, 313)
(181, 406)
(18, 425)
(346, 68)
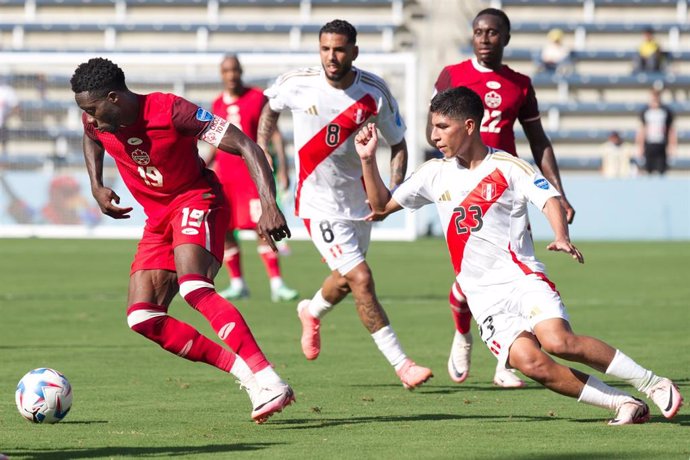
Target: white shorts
(502, 315)
(343, 244)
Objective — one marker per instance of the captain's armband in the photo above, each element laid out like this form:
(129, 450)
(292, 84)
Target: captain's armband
(215, 131)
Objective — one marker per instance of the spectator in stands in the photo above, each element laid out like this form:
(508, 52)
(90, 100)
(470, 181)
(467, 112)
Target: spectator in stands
(241, 105)
(616, 158)
(9, 105)
(508, 96)
(649, 57)
(555, 56)
(656, 137)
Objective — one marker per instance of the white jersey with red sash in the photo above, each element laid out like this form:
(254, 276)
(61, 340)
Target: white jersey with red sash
(482, 212)
(329, 172)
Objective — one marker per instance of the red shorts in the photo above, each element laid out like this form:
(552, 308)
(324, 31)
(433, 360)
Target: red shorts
(240, 191)
(194, 218)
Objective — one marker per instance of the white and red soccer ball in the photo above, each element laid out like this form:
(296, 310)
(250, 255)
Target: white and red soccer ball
(44, 396)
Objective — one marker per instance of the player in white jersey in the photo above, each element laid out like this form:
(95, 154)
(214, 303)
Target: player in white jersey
(480, 194)
(328, 105)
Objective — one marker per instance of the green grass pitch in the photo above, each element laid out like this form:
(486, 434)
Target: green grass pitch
(62, 305)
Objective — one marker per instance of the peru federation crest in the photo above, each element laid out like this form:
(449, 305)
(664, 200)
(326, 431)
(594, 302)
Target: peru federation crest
(488, 191)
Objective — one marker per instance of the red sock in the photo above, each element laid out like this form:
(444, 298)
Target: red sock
(232, 260)
(152, 321)
(270, 260)
(459, 309)
(199, 292)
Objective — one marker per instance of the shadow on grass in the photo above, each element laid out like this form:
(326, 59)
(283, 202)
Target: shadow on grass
(107, 452)
(305, 424)
(451, 389)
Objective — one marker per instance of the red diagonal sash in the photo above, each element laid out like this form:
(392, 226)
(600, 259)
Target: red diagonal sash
(484, 195)
(319, 147)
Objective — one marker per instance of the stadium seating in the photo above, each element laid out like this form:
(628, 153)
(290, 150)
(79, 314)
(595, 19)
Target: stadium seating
(580, 107)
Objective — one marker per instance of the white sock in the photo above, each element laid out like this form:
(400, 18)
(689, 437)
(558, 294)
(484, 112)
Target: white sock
(242, 372)
(318, 306)
(276, 282)
(237, 283)
(625, 368)
(267, 376)
(597, 393)
(388, 344)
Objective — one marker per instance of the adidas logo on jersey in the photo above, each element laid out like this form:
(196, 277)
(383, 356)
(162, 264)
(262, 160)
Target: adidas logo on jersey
(445, 196)
(312, 110)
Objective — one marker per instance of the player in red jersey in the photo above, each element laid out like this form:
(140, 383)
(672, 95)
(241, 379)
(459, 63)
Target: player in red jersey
(507, 96)
(241, 105)
(152, 138)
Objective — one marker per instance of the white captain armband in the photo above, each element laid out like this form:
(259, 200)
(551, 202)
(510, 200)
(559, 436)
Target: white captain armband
(214, 131)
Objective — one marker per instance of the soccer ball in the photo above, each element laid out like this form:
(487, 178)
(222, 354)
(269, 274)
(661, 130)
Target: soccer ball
(44, 396)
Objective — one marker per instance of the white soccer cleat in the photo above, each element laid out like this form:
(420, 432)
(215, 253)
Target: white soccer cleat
(666, 396)
(459, 360)
(631, 412)
(507, 378)
(269, 400)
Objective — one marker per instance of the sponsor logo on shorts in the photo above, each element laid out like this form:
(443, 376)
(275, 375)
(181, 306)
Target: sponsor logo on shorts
(134, 141)
(190, 231)
(140, 157)
(203, 115)
(542, 183)
(493, 84)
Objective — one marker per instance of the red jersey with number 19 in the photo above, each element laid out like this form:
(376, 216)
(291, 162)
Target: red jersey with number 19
(157, 155)
(507, 96)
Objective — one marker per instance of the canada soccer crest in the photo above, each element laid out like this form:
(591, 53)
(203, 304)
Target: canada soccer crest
(140, 157)
(492, 99)
(488, 191)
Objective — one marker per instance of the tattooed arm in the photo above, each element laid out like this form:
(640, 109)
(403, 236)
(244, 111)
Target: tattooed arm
(267, 125)
(398, 164)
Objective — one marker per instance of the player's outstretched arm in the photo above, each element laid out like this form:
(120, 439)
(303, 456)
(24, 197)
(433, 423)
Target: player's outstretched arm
(106, 198)
(272, 224)
(378, 194)
(556, 216)
(545, 158)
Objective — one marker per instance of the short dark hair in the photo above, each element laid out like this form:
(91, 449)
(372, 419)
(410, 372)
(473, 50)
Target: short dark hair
(340, 27)
(98, 76)
(459, 103)
(500, 14)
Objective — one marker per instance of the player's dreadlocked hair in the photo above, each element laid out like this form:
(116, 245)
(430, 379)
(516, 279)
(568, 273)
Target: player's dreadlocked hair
(498, 13)
(459, 103)
(340, 27)
(98, 76)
